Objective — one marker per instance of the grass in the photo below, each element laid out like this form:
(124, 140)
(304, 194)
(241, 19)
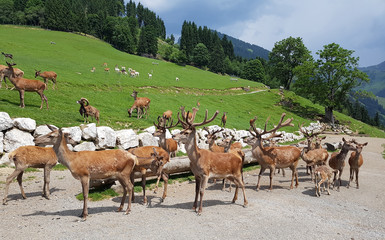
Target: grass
(98, 194)
(59, 167)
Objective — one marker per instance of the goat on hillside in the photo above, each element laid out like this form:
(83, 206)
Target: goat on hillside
(87, 110)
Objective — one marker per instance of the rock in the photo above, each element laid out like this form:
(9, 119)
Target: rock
(89, 132)
(85, 146)
(42, 130)
(75, 133)
(5, 121)
(25, 124)
(106, 138)
(126, 139)
(5, 160)
(151, 129)
(16, 138)
(1, 142)
(146, 139)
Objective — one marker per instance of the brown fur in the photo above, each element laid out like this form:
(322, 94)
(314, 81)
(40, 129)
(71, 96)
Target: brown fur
(3, 69)
(145, 161)
(31, 156)
(48, 75)
(86, 165)
(140, 104)
(325, 174)
(355, 161)
(87, 110)
(26, 85)
(167, 114)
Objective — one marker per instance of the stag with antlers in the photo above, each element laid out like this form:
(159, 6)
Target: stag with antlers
(273, 157)
(206, 164)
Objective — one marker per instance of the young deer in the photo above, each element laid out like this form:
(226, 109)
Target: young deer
(31, 156)
(355, 161)
(325, 174)
(206, 164)
(140, 104)
(170, 145)
(337, 161)
(273, 157)
(48, 75)
(86, 165)
(26, 85)
(211, 137)
(224, 119)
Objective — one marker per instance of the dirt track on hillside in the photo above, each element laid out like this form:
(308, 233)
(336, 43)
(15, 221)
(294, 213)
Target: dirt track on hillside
(279, 214)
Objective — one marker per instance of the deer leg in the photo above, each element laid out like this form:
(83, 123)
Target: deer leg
(144, 188)
(21, 93)
(157, 183)
(20, 181)
(351, 176)
(130, 189)
(272, 170)
(239, 182)
(202, 192)
(8, 182)
(165, 180)
(358, 185)
(339, 180)
(47, 173)
(85, 181)
(197, 186)
(132, 182)
(125, 189)
(259, 176)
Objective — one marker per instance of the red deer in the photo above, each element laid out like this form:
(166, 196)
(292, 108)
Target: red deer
(206, 164)
(87, 110)
(167, 114)
(184, 114)
(47, 76)
(146, 161)
(3, 69)
(325, 174)
(140, 104)
(224, 120)
(89, 165)
(355, 161)
(31, 156)
(170, 145)
(22, 85)
(273, 157)
(337, 160)
(7, 55)
(211, 137)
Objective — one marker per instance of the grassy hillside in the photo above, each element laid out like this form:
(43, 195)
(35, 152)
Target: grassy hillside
(74, 55)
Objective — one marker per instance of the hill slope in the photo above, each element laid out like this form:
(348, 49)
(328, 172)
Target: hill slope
(73, 56)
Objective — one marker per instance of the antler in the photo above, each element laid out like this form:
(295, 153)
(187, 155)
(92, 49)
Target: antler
(280, 125)
(190, 123)
(164, 123)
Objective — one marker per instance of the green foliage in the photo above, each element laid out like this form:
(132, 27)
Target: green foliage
(254, 71)
(200, 55)
(286, 55)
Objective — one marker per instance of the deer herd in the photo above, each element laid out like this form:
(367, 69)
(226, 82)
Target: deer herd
(223, 160)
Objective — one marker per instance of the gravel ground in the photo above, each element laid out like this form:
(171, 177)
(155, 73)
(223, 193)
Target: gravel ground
(278, 214)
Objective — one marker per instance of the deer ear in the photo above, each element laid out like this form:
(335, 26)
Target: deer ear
(365, 144)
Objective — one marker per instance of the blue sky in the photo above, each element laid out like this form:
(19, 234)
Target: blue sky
(353, 24)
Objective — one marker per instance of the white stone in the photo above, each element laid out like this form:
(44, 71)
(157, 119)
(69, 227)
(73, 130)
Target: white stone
(25, 124)
(1, 142)
(5, 160)
(42, 130)
(126, 139)
(106, 138)
(151, 129)
(75, 133)
(85, 146)
(16, 138)
(148, 140)
(5, 121)
(89, 131)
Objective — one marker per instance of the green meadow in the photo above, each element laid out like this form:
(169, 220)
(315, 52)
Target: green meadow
(73, 55)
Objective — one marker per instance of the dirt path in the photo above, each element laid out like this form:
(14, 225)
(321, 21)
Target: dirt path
(279, 214)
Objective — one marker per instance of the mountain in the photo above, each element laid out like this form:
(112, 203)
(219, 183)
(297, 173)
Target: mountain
(377, 79)
(246, 50)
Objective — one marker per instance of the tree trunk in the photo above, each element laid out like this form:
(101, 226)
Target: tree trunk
(329, 115)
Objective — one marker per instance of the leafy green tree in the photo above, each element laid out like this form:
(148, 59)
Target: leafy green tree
(254, 71)
(200, 55)
(6, 11)
(217, 58)
(285, 56)
(328, 80)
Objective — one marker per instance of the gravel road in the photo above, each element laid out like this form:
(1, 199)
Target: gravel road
(278, 214)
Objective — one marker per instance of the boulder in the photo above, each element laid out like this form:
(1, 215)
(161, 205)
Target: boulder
(126, 139)
(25, 124)
(85, 146)
(75, 133)
(5, 121)
(5, 160)
(16, 138)
(89, 132)
(147, 139)
(151, 129)
(42, 130)
(106, 138)
(1, 142)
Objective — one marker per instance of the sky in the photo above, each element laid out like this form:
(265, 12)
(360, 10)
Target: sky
(353, 24)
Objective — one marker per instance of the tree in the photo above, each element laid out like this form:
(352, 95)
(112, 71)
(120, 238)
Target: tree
(285, 56)
(254, 71)
(329, 79)
(201, 55)
(6, 11)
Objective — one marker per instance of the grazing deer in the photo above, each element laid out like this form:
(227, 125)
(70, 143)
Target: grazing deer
(88, 165)
(312, 157)
(31, 156)
(170, 145)
(139, 104)
(167, 114)
(146, 161)
(48, 75)
(26, 85)
(355, 161)
(273, 157)
(337, 160)
(206, 164)
(223, 120)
